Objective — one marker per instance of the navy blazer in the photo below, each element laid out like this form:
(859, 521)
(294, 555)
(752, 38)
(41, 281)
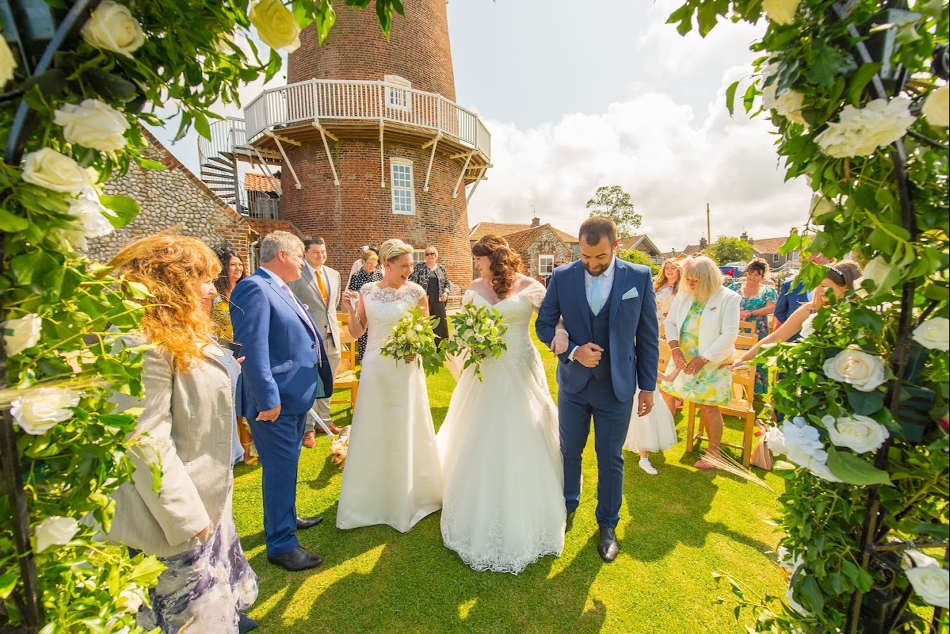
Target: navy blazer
(789, 300)
(634, 332)
(279, 344)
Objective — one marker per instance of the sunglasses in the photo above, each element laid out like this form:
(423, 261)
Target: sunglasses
(429, 253)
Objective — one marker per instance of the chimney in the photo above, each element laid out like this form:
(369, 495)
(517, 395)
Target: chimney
(702, 243)
(745, 236)
(535, 221)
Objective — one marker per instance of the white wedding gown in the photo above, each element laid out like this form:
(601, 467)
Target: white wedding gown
(393, 475)
(503, 502)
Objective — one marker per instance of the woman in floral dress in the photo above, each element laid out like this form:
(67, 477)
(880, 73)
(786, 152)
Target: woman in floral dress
(369, 272)
(758, 302)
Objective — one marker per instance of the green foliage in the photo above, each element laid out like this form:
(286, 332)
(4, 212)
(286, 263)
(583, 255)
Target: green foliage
(812, 69)
(614, 203)
(639, 257)
(413, 340)
(730, 249)
(477, 333)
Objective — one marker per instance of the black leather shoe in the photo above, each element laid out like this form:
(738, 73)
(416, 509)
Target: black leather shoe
(245, 623)
(608, 546)
(298, 559)
(304, 523)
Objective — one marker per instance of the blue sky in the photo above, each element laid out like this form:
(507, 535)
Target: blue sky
(603, 92)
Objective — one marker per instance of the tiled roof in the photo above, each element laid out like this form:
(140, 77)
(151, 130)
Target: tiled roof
(768, 245)
(520, 241)
(642, 242)
(259, 183)
(264, 226)
(692, 249)
(506, 228)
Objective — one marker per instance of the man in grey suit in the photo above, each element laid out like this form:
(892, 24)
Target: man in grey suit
(319, 290)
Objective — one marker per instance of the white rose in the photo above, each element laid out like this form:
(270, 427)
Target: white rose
(932, 584)
(38, 410)
(808, 327)
(933, 334)
(418, 327)
(52, 170)
(130, 599)
(7, 63)
(936, 108)
(804, 447)
(56, 531)
(111, 27)
(858, 433)
(856, 367)
(859, 132)
(22, 333)
(91, 217)
(788, 104)
(275, 25)
(775, 439)
(877, 271)
(780, 11)
(914, 558)
(93, 124)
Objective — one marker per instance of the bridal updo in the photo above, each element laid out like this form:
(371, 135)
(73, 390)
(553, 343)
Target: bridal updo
(392, 249)
(505, 263)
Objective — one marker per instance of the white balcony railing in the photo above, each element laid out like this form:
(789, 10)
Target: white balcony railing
(322, 100)
(225, 134)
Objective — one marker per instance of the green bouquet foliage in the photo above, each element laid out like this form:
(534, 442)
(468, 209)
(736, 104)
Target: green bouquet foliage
(412, 339)
(477, 334)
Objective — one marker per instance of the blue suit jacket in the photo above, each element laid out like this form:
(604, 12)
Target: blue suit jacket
(789, 299)
(634, 332)
(280, 350)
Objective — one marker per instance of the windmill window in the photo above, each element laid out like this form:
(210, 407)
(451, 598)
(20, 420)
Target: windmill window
(397, 93)
(401, 178)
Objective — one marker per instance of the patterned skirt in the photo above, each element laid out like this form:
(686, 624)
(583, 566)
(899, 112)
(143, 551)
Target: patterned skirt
(203, 589)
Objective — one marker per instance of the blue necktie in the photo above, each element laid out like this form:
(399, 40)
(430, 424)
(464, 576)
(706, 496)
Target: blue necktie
(596, 301)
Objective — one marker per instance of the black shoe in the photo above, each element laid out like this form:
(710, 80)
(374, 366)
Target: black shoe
(298, 559)
(608, 546)
(304, 523)
(245, 623)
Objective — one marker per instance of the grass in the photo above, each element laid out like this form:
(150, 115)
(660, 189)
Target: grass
(675, 530)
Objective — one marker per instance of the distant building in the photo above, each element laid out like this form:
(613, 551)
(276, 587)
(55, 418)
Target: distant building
(765, 248)
(541, 247)
(643, 244)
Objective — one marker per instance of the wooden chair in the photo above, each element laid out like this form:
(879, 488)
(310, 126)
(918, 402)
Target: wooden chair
(748, 328)
(743, 393)
(345, 378)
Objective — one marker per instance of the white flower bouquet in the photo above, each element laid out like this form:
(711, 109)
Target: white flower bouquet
(413, 339)
(476, 334)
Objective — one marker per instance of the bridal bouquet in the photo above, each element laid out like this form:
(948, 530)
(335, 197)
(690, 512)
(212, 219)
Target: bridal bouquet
(413, 339)
(477, 334)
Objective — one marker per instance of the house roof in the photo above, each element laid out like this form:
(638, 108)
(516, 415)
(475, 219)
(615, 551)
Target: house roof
(521, 240)
(692, 249)
(768, 245)
(260, 183)
(482, 229)
(641, 242)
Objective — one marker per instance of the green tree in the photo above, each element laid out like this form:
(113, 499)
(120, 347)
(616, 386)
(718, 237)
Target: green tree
(639, 257)
(730, 249)
(614, 203)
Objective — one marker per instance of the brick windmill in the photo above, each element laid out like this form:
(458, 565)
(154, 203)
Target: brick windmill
(370, 142)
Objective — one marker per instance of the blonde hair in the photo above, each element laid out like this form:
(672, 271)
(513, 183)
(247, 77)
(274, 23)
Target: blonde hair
(172, 268)
(392, 249)
(707, 275)
(369, 254)
(661, 276)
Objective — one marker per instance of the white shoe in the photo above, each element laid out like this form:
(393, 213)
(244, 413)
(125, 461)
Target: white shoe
(646, 466)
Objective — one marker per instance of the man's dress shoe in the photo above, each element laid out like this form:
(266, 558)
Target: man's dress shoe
(310, 439)
(298, 559)
(304, 523)
(608, 546)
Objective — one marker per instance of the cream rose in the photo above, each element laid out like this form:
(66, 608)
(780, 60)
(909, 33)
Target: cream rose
(21, 333)
(933, 334)
(7, 63)
(932, 584)
(52, 170)
(788, 104)
(54, 531)
(111, 27)
(859, 132)
(936, 108)
(803, 446)
(93, 124)
(91, 217)
(275, 25)
(858, 433)
(130, 599)
(38, 410)
(780, 11)
(856, 367)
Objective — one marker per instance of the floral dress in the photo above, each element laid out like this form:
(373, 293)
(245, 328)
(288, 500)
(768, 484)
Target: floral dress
(712, 385)
(357, 281)
(221, 317)
(664, 299)
(767, 294)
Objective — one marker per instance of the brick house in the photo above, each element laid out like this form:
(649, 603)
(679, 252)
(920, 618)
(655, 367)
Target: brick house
(765, 248)
(643, 244)
(541, 247)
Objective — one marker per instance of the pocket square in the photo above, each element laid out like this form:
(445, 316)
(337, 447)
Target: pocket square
(631, 294)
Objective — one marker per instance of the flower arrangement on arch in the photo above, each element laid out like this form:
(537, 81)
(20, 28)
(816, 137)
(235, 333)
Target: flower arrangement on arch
(476, 334)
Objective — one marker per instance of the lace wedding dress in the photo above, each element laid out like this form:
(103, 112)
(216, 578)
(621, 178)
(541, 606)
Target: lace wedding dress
(393, 475)
(503, 504)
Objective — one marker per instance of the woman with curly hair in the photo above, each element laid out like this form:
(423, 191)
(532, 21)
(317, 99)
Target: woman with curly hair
(503, 502)
(185, 431)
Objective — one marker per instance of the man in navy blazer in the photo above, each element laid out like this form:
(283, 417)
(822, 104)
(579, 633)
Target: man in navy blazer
(285, 367)
(609, 311)
(792, 294)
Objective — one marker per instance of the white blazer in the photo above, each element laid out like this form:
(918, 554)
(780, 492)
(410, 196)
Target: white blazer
(718, 327)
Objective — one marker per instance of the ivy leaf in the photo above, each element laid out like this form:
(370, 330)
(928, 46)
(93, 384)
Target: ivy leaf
(7, 584)
(731, 97)
(853, 470)
(865, 403)
(149, 164)
(124, 207)
(201, 125)
(824, 64)
(110, 87)
(31, 266)
(11, 223)
(939, 531)
(860, 80)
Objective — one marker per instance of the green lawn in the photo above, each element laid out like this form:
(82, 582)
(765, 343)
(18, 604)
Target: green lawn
(675, 530)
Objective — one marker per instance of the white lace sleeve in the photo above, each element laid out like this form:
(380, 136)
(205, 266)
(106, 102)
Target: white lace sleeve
(535, 293)
(469, 297)
(415, 292)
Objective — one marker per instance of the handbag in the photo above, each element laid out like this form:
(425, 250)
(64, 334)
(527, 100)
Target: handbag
(762, 455)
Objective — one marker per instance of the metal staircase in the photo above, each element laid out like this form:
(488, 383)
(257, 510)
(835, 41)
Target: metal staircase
(219, 157)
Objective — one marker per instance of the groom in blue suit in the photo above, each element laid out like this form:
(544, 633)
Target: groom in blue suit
(285, 367)
(609, 311)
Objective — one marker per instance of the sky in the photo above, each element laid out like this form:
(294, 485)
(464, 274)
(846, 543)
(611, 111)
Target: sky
(580, 95)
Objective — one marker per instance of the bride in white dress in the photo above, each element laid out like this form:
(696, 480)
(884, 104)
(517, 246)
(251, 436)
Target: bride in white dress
(503, 505)
(393, 475)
